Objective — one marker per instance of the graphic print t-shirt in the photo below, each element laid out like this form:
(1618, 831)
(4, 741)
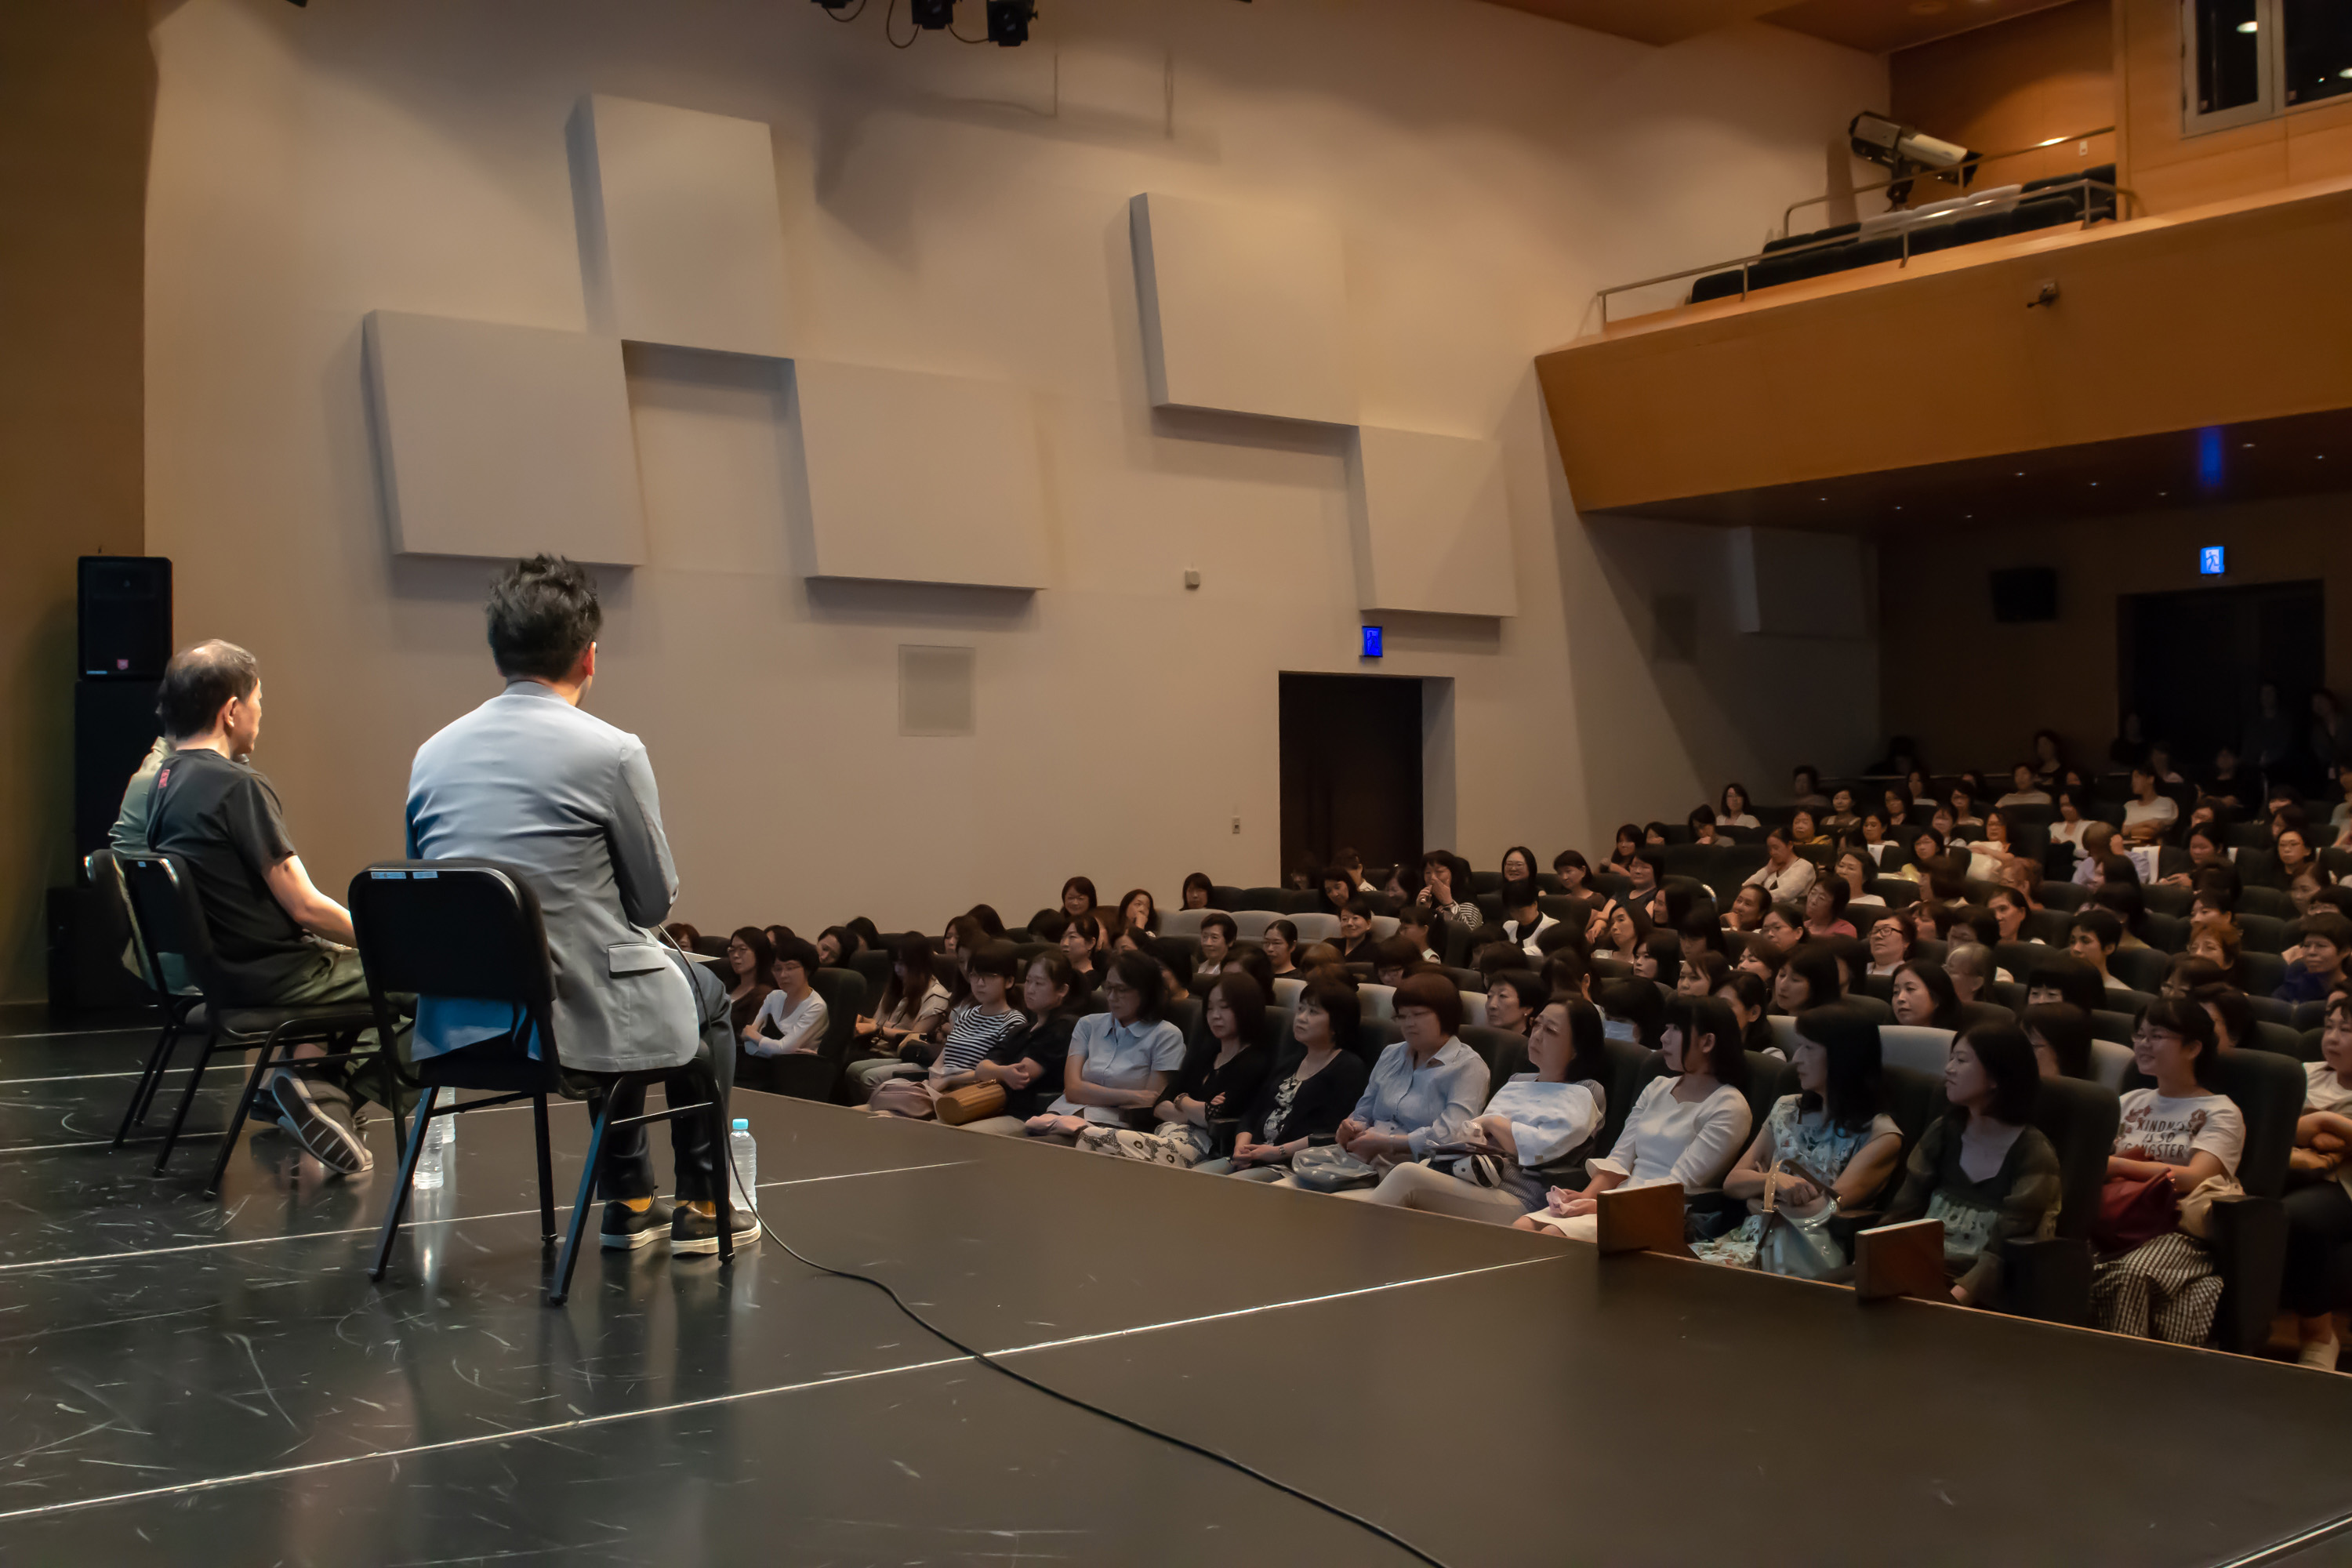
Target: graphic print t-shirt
(2172, 1132)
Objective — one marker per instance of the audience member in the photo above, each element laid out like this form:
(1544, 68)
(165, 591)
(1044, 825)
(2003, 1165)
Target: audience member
(2060, 1034)
(1824, 906)
(1029, 1062)
(1119, 1061)
(1445, 889)
(2326, 942)
(1218, 934)
(1924, 997)
(1731, 810)
(1303, 1100)
(2092, 939)
(792, 1017)
(1219, 1081)
(1784, 876)
(2318, 1209)
(913, 1009)
(1425, 1088)
(975, 1028)
(1280, 944)
(1082, 941)
(1199, 891)
(1891, 940)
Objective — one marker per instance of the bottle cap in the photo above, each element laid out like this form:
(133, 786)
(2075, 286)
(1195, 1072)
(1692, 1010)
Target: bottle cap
(743, 1125)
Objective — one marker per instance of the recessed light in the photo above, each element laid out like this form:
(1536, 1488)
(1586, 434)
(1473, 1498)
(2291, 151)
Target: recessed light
(2250, 27)
(2160, 494)
(2020, 473)
(2249, 446)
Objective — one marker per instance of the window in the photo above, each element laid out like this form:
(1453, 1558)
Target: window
(2243, 60)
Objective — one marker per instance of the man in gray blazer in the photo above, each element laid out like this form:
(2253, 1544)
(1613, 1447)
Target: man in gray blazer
(530, 780)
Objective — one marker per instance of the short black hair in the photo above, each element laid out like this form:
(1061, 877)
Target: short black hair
(2104, 928)
(2179, 1015)
(1221, 922)
(2008, 1059)
(1518, 893)
(2067, 1030)
(796, 950)
(1855, 1090)
(2071, 978)
(1140, 973)
(1436, 993)
(1001, 959)
(1528, 986)
(544, 614)
(1360, 908)
(199, 682)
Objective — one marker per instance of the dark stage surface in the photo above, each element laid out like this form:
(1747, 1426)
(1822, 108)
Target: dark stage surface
(189, 1382)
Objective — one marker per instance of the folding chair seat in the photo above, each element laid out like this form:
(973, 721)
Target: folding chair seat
(182, 1003)
(172, 920)
(471, 929)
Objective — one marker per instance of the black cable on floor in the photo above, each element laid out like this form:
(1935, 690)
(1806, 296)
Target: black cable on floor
(1357, 1519)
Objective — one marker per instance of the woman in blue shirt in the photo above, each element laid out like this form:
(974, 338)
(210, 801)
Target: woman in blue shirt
(1120, 1060)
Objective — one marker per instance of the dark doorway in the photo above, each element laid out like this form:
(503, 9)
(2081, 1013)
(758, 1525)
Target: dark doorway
(1350, 768)
(2192, 662)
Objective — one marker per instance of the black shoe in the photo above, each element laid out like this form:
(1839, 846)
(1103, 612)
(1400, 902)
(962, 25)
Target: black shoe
(694, 1231)
(626, 1229)
(319, 1117)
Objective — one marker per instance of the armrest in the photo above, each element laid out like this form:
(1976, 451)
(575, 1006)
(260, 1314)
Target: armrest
(2249, 1244)
(2048, 1279)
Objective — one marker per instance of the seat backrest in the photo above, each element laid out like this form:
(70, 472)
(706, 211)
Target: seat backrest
(2265, 933)
(1474, 1008)
(1374, 1000)
(1185, 1015)
(2113, 1026)
(1629, 1069)
(1287, 988)
(1264, 899)
(2263, 973)
(1182, 922)
(2046, 928)
(873, 966)
(1917, 1049)
(2283, 1039)
(2269, 1090)
(844, 991)
(466, 929)
(1383, 927)
(1768, 1079)
(1314, 926)
(2273, 903)
(162, 898)
(1227, 898)
(1784, 1032)
(1975, 1012)
(2079, 1119)
(1249, 925)
(1875, 1009)
(106, 876)
(2065, 896)
(2111, 1062)
(1504, 1052)
(1914, 1099)
(2141, 968)
(1374, 1035)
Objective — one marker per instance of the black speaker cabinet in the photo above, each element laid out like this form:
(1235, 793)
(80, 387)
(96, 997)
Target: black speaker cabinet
(114, 724)
(126, 617)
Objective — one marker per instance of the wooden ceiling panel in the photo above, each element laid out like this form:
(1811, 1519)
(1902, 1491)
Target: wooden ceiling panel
(1874, 26)
(1646, 21)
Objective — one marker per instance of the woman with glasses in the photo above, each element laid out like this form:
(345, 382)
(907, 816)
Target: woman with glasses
(1120, 1060)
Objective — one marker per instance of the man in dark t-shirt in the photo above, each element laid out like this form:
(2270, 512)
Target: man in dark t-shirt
(281, 942)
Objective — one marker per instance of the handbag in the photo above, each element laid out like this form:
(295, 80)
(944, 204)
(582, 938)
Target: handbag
(2134, 1211)
(2197, 1207)
(955, 1107)
(1327, 1168)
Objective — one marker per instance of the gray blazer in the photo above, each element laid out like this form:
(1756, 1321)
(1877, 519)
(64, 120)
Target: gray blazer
(530, 781)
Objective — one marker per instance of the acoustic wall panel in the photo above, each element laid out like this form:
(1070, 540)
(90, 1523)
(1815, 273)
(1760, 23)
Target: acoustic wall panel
(503, 441)
(1433, 526)
(920, 478)
(682, 234)
(1799, 584)
(1244, 310)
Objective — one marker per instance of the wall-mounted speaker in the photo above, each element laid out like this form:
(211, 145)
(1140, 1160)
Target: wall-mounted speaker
(126, 617)
(2022, 594)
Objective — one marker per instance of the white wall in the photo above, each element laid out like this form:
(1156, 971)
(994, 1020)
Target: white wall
(944, 212)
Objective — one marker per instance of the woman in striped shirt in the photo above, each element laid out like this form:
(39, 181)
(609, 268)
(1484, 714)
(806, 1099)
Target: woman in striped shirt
(974, 1029)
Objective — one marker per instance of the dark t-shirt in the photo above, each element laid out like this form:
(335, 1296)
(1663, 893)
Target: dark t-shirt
(1046, 1042)
(222, 821)
(1238, 1080)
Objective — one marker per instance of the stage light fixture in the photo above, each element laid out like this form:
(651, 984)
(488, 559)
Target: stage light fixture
(932, 15)
(1008, 21)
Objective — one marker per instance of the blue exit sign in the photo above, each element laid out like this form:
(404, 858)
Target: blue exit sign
(1371, 642)
(2209, 561)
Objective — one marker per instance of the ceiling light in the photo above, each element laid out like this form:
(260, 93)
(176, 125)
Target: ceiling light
(2250, 27)
(2249, 446)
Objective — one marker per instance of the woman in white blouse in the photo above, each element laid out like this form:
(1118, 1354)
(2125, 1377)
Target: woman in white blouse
(1732, 811)
(1539, 1126)
(1687, 1127)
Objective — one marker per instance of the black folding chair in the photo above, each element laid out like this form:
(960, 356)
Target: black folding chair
(171, 918)
(183, 1005)
(472, 930)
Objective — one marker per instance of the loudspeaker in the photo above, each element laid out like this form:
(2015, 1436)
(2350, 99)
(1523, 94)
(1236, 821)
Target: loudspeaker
(114, 724)
(126, 617)
(2026, 594)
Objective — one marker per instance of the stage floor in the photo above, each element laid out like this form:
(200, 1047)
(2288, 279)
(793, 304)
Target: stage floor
(216, 1381)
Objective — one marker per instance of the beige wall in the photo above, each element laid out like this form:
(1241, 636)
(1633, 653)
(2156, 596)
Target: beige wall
(1974, 691)
(1488, 169)
(77, 84)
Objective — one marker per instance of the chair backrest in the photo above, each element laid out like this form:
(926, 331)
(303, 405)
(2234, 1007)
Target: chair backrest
(1914, 1099)
(466, 929)
(1383, 927)
(1268, 899)
(2110, 1061)
(1504, 1052)
(2079, 1119)
(2265, 933)
(1374, 1035)
(1474, 1008)
(1287, 988)
(1631, 1068)
(1769, 1079)
(2263, 973)
(1314, 926)
(873, 966)
(1912, 1046)
(2141, 968)
(1186, 1016)
(844, 991)
(1876, 1009)
(1374, 1000)
(1182, 922)
(1249, 925)
(2067, 897)
(162, 898)
(2117, 1027)
(1784, 1032)
(107, 877)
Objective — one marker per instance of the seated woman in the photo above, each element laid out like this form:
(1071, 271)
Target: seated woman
(1853, 871)
(2318, 1209)
(1535, 1132)
(1894, 805)
(991, 923)
(2184, 1131)
(1701, 823)
(1783, 926)
(974, 1029)
(1120, 1060)
(2010, 912)
(1575, 873)
(2305, 889)
(1631, 1011)
(1702, 976)
(1198, 890)
(1629, 844)
(2184, 975)
(1281, 946)
(1445, 889)
(1618, 931)
(2073, 821)
(1805, 832)
(1138, 912)
(2127, 904)
(834, 947)
(1515, 998)
(1763, 961)
(1082, 941)
(1305, 1099)
(2061, 1037)
(1337, 889)
(2220, 943)
(1518, 864)
(791, 1022)
(1356, 939)
(1219, 1081)
(752, 958)
(1992, 853)
(2291, 852)
(2207, 848)
(1924, 997)
(1983, 1167)
(1842, 817)
(1969, 966)
(1426, 1087)
(1926, 846)
(1750, 1000)
(1825, 904)
(1808, 980)
(1891, 940)
(2063, 977)
(1686, 1127)
(913, 1009)
(1828, 1149)
(1748, 908)
(1659, 958)
(1028, 1061)
(1078, 897)
(1731, 810)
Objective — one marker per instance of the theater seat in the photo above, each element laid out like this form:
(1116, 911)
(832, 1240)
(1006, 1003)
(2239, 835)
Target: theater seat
(1505, 1053)
(2051, 1279)
(815, 1076)
(1914, 1047)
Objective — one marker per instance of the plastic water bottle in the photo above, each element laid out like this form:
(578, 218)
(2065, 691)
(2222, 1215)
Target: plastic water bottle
(742, 1167)
(439, 1153)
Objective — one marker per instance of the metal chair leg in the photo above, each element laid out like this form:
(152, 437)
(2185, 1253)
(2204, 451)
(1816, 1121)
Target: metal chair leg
(580, 1205)
(244, 1106)
(723, 1201)
(399, 1203)
(388, 1064)
(546, 1173)
(165, 1039)
(187, 1099)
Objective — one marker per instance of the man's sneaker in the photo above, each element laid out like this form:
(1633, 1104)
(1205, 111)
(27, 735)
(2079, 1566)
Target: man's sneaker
(318, 1115)
(626, 1229)
(694, 1231)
